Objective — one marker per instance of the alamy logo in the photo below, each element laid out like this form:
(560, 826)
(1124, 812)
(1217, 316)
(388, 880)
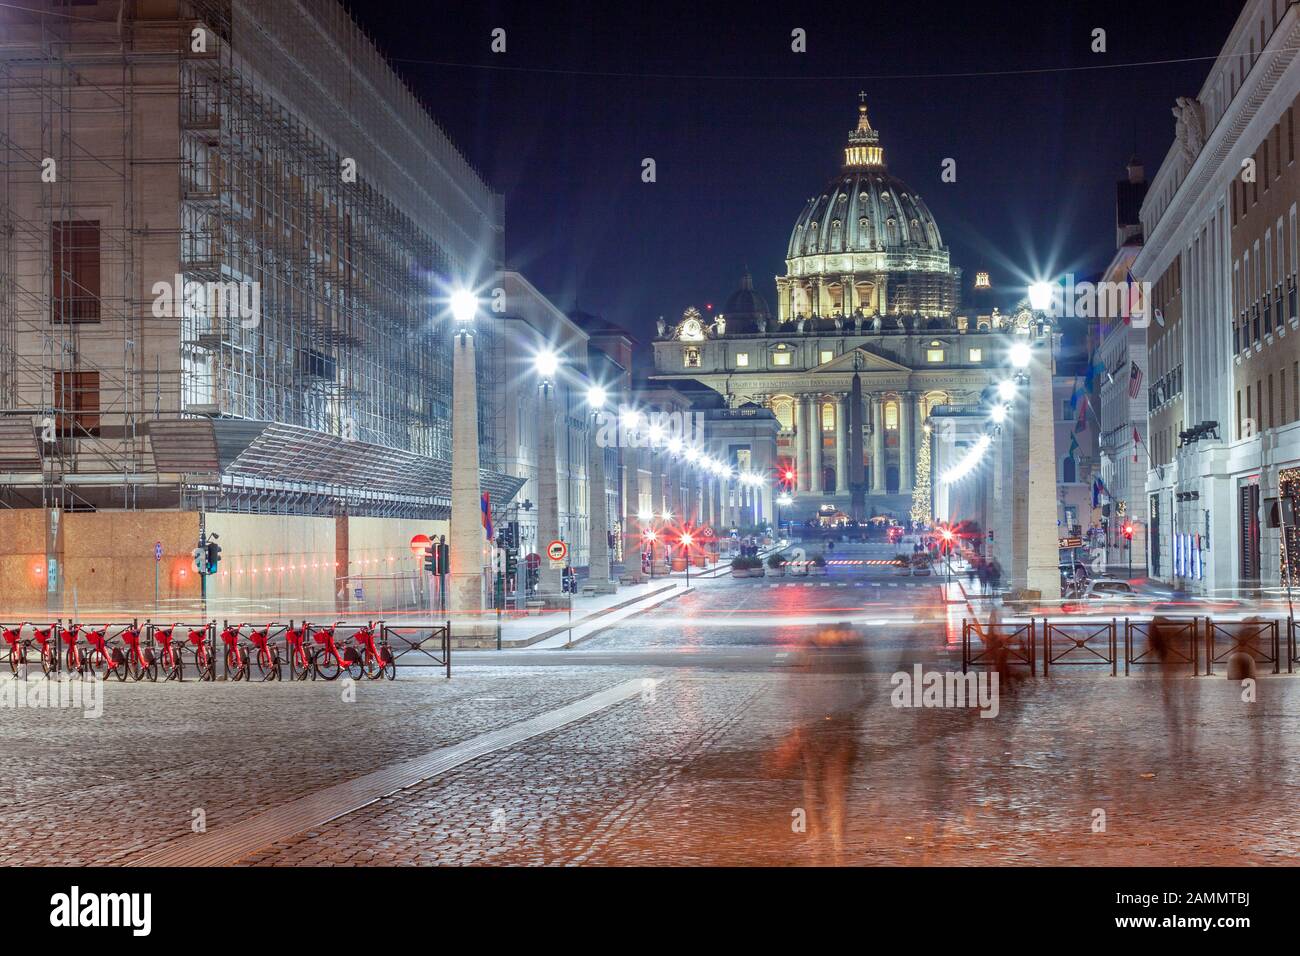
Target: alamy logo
(632, 428)
(1128, 300)
(74, 909)
(923, 688)
(226, 300)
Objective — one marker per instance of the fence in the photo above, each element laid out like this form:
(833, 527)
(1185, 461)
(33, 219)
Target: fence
(1245, 637)
(1080, 643)
(1002, 644)
(1074, 644)
(1176, 634)
(417, 638)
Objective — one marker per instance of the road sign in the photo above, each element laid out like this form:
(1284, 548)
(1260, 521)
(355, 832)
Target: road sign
(533, 560)
(420, 545)
(707, 532)
(157, 550)
(557, 550)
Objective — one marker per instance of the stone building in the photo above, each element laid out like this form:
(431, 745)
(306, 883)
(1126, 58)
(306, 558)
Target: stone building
(866, 339)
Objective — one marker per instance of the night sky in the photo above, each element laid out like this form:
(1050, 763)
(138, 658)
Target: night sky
(744, 131)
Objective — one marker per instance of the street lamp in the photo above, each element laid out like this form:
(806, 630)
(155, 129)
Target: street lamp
(1040, 296)
(598, 559)
(546, 363)
(1020, 354)
(783, 500)
(686, 540)
(1007, 390)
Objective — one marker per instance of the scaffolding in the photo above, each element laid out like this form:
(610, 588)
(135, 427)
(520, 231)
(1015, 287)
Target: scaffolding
(273, 217)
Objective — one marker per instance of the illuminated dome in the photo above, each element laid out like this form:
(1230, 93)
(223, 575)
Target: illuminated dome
(866, 244)
(865, 209)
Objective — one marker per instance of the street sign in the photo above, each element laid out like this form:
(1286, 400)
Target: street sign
(157, 550)
(557, 550)
(707, 532)
(420, 545)
(533, 560)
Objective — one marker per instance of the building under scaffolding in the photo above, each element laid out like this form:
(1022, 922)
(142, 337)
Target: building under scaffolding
(226, 228)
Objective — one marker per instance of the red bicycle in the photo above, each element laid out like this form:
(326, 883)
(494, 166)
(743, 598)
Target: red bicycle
(203, 660)
(299, 658)
(328, 662)
(13, 636)
(141, 661)
(49, 652)
(169, 656)
(268, 658)
(236, 658)
(103, 660)
(376, 659)
(76, 662)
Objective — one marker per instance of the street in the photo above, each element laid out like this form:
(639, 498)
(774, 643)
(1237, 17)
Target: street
(749, 722)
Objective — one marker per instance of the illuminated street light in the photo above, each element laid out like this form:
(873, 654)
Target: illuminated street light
(547, 364)
(1040, 296)
(596, 396)
(1020, 354)
(645, 517)
(1006, 390)
(999, 414)
(464, 306)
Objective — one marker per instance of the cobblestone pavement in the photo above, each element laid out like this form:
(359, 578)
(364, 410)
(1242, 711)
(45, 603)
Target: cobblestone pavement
(769, 740)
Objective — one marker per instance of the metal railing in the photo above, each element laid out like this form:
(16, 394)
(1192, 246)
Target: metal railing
(432, 641)
(1257, 637)
(1015, 641)
(1075, 644)
(1178, 633)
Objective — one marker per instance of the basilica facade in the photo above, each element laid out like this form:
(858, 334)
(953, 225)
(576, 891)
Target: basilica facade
(866, 341)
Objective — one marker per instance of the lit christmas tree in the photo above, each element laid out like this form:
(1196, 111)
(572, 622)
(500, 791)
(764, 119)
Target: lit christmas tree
(921, 511)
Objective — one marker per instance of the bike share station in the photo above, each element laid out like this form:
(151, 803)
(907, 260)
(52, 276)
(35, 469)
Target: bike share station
(146, 651)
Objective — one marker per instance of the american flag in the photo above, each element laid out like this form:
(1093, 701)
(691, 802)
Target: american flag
(1134, 380)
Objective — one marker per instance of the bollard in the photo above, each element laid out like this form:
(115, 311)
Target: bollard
(1241, 666)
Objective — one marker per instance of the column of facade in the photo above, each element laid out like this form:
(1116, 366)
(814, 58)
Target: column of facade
(906, 454)
(877, 444)
(801, 441)
(841, 445)
(815, 478)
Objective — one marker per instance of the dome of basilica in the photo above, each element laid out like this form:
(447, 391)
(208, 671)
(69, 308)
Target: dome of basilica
(864, 209)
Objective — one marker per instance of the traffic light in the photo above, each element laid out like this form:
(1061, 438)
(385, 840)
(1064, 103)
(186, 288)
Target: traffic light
(213, 554)
(431, 559)
(1128, 531)
(200, 555)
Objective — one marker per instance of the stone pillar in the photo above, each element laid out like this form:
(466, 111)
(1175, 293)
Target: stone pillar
(841, 445)
(467, 542)
(877, 444)
(801, 441)
(815, 447)
(906, 453)
(598, 516)
(631, 526)
(548, 504)
(1036, 482)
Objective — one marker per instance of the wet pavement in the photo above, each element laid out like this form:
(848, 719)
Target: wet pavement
(769, 735)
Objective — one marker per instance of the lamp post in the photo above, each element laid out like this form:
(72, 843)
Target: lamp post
(467, 539)
(546, 365)
(598, 576)
(686, 540)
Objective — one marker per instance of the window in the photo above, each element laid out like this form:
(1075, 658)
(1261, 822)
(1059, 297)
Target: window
(934, 355)
(76, 396)
(691, 358)
(828, 416)
(783, 409)
(891, 416)
(742, 359)
(74, 251)
(975, 355)
(780, 358)
(825, 355)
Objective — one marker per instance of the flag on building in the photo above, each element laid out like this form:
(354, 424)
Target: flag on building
(1082, 421)
(1136, 306)
(1098, 367)
(1134, 380)
(1074, 446)
(1137, 440)
(1097, 488)
(485, 506)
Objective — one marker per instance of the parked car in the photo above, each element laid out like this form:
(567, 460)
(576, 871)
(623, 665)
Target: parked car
(1101, 592)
